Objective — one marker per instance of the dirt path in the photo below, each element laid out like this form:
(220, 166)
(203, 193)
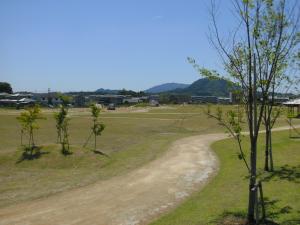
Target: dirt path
(134, 198)
(131, 199)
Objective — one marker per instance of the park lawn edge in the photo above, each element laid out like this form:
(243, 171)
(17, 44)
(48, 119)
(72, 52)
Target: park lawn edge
(226, 194)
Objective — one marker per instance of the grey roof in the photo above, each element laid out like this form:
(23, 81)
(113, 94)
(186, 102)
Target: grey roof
(293, 102)
(26, 100)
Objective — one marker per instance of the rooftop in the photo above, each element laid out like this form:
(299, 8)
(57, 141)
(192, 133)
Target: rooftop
(293, 102)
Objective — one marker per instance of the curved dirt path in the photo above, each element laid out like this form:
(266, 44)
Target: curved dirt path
(134, 198)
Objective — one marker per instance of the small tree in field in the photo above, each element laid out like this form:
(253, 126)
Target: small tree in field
(58, 128)
(59, 118)
(97, 127)
(62, 126)
(273, 111)
(65, 141)
(28, 120)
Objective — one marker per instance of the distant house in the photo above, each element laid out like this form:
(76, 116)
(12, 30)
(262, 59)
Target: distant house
(132, 100)
(293, 107)
(79, 100)
(4, 95)
(47, 99)
(204, 99)
(16, 100)
(144, 98)
(279, 100)
(106, 99)
(154, 103)
(8, 103)
(25, 102)
(18, 96)
(154, 97)
(224, 100)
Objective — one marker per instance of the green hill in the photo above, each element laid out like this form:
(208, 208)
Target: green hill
(206, 87)
(166, 87)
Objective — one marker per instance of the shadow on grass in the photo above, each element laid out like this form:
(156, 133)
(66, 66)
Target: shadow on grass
(66, 152)
(273, 212)
(286, 172)
(294, 137)
(231, 218)
(238, 218)
(100, 153)
(292, 221)
(31, 154)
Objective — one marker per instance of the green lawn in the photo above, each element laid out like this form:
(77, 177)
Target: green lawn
(227, 192)
(130, 139)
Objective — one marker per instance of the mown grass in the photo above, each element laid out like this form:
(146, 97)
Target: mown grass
(227, 194)
(130, 140)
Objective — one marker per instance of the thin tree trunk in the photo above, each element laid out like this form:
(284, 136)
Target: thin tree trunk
(88, 139)
(68, 143)
(31, 142)
(290, 130)
(262, 201)
(60, 131)
(271, 151)
(252, 98)
(59, 135)
(256, 206)
(251, 204)
(267, 148)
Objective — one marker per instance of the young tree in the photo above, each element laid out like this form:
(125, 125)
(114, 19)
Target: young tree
(97, 127)
(281, 84)
(259, 50)
(269, 118)
(65, 141)
(28, 120)
(62, 125)
(60, 118)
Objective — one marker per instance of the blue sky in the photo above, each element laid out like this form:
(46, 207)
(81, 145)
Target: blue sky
(83, 45)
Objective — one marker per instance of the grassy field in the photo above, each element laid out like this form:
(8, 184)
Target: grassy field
(226, 194)
(131, 139)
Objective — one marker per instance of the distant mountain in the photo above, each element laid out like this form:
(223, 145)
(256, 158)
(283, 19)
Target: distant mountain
(106, 91)
(206, 87)
(203, 87)
(166, 87)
